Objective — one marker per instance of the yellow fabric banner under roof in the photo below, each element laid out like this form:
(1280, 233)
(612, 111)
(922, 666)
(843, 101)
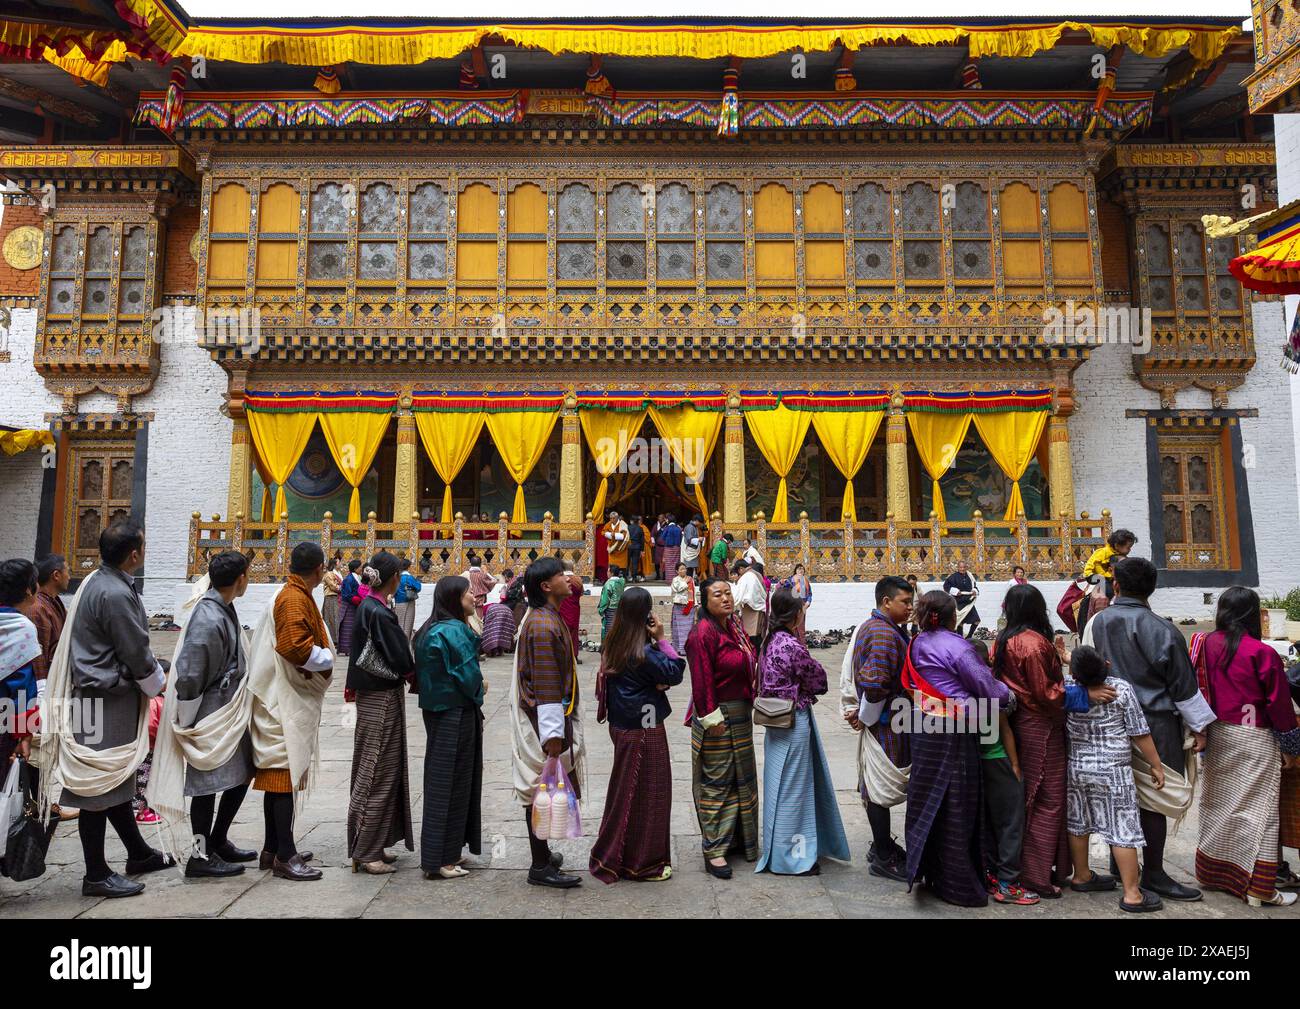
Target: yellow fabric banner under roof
(846, 436)
(521, 436)
(609, 436)
(449, 440)
(1012, 439)
(412, 42)
(279, 440)
(779, 435)
(938, 438)
(690, 435)
(353, 439)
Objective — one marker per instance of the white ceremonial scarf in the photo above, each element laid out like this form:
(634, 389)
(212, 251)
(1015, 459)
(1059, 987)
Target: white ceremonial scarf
(1175, 799)
(886, 784)
(73, 765)
(205, 746)
(525, 746)
(286, 709)
(19, 644)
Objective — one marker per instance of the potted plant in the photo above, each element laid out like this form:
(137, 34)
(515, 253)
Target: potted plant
(1293, 614)
(1273, 616)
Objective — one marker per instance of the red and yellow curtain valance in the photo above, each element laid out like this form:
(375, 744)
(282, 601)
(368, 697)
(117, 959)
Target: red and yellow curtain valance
(848, 400)
(320, 402)
(977, 402)
(664, 399)
(487, 402)
(1273, 266)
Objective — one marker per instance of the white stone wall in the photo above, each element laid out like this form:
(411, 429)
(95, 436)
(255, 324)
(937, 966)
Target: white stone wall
(25, 405)
(1286, 140)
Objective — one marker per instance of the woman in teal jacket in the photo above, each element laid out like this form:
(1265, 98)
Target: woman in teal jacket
(451, 701)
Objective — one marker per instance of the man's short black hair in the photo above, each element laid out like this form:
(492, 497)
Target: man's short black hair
(890, 586)
(1136, 576)
(541, 570)
(118, 540)
(306, 558)
(225, 568)
(48, 567)
(17, 581)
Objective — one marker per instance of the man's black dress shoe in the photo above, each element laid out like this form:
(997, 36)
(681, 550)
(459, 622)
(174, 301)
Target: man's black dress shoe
(551, 876)
(155, 862)
(212, 866)
(114, 885)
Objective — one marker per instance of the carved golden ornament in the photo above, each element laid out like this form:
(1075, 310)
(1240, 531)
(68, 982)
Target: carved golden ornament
(22, 248)
(195, 246)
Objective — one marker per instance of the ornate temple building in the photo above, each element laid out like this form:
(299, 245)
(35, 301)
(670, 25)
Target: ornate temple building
(882, 295)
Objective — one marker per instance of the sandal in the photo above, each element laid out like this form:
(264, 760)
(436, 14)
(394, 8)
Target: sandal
(1098, 882)
(372, 868)
(666, 874)
(1013, 893)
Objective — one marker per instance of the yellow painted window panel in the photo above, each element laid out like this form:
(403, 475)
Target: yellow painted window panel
(230, 209)
(824, 262)
(227, 262)
(1067, 208)
(1018, 206)
(1022, 261)
(1071, 261)
(823, 209)
(526, 210)
(476, 263)
(774, 262)
(477, 210)
(526, 263)
(774, 210)
(279, 209)
(277, 261)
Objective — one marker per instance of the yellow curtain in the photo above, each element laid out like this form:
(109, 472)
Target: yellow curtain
(354, 439)
(279, 440)
(521, 436)
(779, 435)
(938, 438)
(1011, 438)
(264, 474)
(691, 435)
(448, 440)
(609, 435)
(846, 437)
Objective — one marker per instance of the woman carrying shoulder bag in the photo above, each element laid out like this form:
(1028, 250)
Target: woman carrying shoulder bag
(380, 664)
(801, 818)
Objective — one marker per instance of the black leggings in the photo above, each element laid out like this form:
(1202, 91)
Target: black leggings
(878, 820)
(92, 827)
(538, 849)
(1154, 827)
(201, 810)
(278, 809)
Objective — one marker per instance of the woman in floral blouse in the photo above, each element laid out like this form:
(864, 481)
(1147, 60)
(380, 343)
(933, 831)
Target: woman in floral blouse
(801, 819)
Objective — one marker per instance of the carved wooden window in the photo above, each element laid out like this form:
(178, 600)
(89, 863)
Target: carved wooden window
(377, 234)
(724, 247)
(922, 241)
(477, 214)
(625, 236)
(1157, 252)
(774, 238)
(823, 240)
(1022, 246)
(1227, 291)
(65, 264)
(426, 254)
(1194, 502)
(96, 302)
(575, 250)
(277, 237)
(134, 270)
(99, 491)
(1067, 212)
(1189, 261)
(972, 255)
(228, 239)
(330, 223)
(873, 242)
(526, 237)
(675, 235)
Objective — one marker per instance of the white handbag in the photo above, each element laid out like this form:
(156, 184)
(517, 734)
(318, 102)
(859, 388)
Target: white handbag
(11, 803)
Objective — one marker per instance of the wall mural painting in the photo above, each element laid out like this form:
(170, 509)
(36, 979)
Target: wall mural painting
(976, 482)
(316, 486)
(803, 485)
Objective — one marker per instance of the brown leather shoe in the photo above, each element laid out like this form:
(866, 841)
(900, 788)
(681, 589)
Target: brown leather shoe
(295, 869)
(266, 858)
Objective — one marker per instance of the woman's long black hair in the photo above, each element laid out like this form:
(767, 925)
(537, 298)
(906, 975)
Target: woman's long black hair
(783, 611)
(1237, 616)
(1026, 610)
(626, 639)
(447, 595)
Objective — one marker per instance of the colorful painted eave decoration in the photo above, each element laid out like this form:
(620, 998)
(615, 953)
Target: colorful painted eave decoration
(360, 401)
(489, 402)
(1273, 266)
(480, 109)
(1122, 111)
(978, 402)
(1070, 112)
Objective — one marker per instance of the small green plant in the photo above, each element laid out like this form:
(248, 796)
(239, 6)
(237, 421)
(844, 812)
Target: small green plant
(1273, 602)
(1293, 604)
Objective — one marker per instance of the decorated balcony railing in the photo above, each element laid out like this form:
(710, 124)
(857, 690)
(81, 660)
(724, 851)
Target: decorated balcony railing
(829, 551)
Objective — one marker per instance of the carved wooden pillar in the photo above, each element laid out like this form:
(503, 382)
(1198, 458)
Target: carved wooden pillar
(898, 493)
(733, 493)
(571, 464)
(1060, 475)
(241, 464)
(407, 471)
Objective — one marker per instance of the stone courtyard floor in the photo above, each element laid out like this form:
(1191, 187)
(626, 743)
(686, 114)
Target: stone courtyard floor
(497, 886)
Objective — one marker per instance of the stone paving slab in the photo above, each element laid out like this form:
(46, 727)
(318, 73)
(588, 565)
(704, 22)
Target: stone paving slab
(497, 886)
